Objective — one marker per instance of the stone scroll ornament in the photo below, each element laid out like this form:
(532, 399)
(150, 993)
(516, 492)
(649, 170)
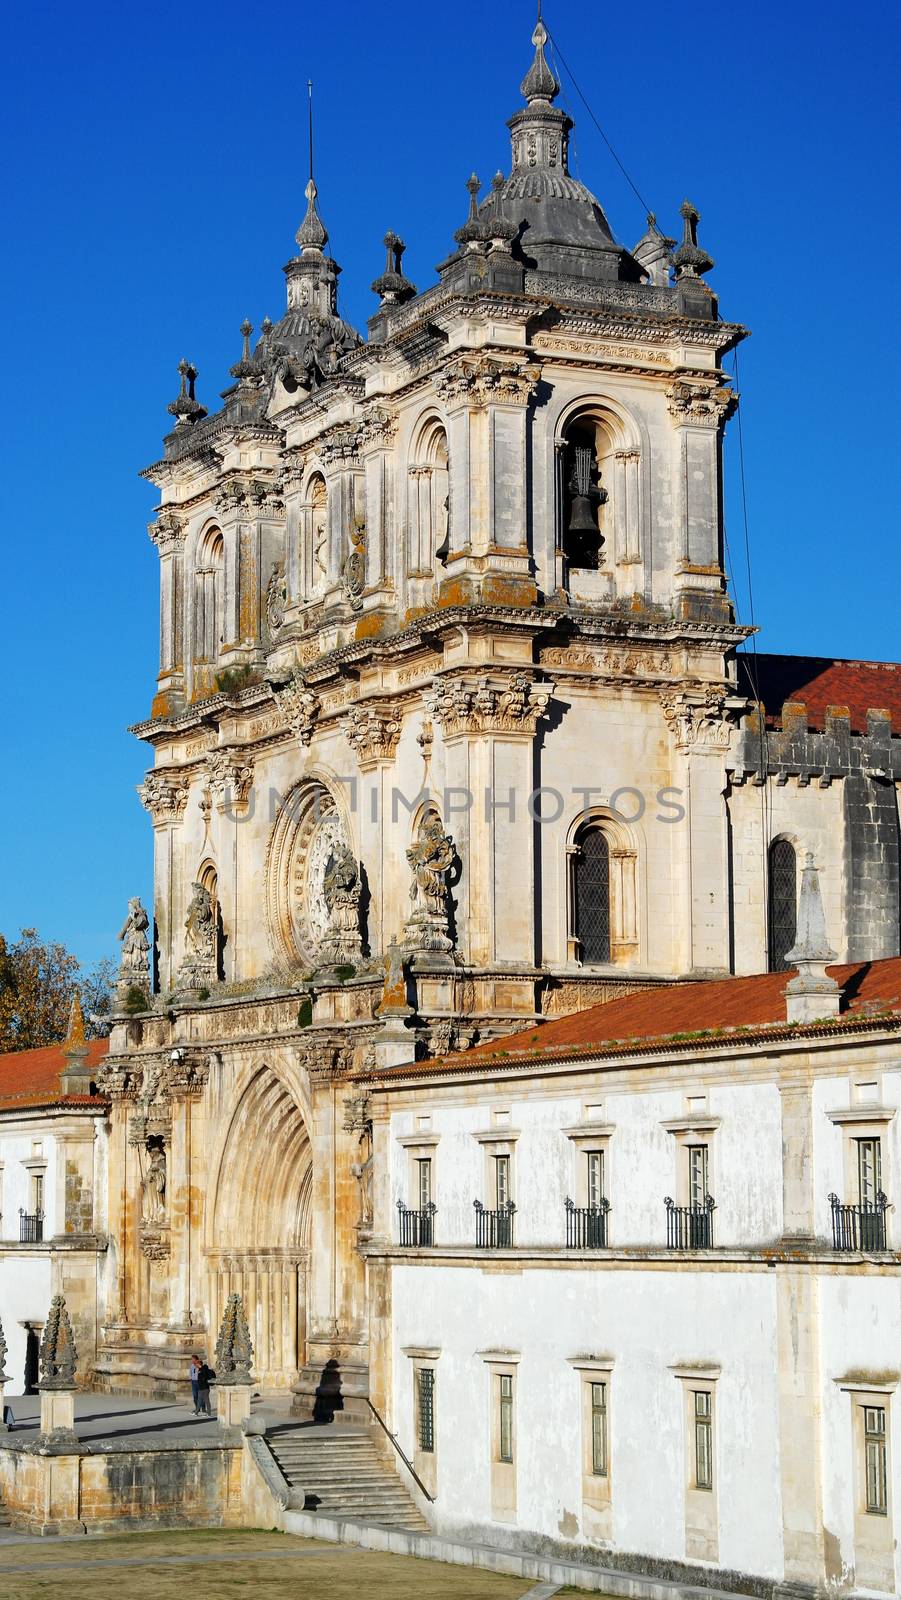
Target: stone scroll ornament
(57, 1353)
(234, 1351)
(431, 859)
(341, 891)
(134, 964)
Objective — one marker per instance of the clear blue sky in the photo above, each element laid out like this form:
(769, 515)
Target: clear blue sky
(155, 159)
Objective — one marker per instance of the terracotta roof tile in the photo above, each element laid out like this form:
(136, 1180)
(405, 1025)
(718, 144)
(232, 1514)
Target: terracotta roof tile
(30, 1078)
(678, 1009)
(819, 682)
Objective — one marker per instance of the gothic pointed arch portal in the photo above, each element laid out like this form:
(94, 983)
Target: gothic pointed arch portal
(258, 1225)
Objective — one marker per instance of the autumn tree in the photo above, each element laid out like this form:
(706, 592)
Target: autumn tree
(37, 979)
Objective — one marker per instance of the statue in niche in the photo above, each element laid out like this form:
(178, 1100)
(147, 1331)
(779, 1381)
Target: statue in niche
(358, 1119)
(134, 965)
(341, 890)
(200, 925)
(431, 858)
(153, 1189)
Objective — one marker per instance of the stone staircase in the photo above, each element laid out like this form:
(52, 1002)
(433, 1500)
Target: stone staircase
(343, 1472)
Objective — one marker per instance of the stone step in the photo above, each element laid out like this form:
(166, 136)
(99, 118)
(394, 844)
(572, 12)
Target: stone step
(346, 1473)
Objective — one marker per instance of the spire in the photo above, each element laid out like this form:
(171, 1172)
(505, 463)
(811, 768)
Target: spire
(539, 82)
(473, 232)
(58, 1354)
(247, 367)
(234, 1351)
(811, 995)
(312, 233)
(392, 287)
(690, 261)
(75, 1040)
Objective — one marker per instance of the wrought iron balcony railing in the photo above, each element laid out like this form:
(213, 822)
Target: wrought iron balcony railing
(31, 1227)
(586, 1226)
(860, 1227)
(689, 1227)
(494, 1229)
(417, 1228)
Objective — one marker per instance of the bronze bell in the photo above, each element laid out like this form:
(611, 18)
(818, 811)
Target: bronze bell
(585, 497)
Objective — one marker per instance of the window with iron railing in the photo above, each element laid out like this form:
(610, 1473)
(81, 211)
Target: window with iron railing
(416, 1228)
(689, 1227)
(494, 1228)
(31, 1227)
(586, 1226)
(425, 1405)
(860, 1227)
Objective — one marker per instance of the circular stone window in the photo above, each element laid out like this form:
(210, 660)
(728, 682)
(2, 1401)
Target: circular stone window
(307, 836)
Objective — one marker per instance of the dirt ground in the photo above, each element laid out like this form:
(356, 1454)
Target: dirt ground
(216, 1565)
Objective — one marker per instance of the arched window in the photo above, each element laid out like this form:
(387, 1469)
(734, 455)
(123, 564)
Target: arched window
(208, 619)
(314, 536)
(428, 501)
(591, 894)
(783, 902)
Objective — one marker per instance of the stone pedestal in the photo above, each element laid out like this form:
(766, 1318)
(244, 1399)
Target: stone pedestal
(58, 1414)
(233, 1403)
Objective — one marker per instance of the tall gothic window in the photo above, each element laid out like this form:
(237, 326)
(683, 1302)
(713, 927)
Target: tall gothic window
(209, 878)
(591, 894)
(208, 620)
(428, 502)
(783, 902)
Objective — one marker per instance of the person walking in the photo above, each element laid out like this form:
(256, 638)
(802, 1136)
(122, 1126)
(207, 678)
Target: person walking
(205, 1376)
(193, 1370)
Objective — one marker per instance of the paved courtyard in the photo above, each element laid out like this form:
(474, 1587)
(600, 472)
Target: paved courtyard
(213, 1565)
(99, 1417)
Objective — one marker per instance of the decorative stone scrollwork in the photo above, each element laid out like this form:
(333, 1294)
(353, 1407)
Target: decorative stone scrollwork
(481, 379)
(276, 599)
(431, 858)
(155, 1245)
(250, 496)
(230, 778)
(164, 794)
(339, 445)
(376, 427)
(372, 732)
(353, 572)
(487, 704)
(298, 706)
(449, 1035)
(702, 403)
(168, 531)
(696, 717)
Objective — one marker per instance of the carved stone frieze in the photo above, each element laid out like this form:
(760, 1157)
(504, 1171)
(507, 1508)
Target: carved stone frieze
(696, 717)
(376, 427)
(230, 778)
(249, 497)
(478, 380)
(705, 403)
(339, 446)
(164, 793)
(298, 706)
(619, 662)
(487, 704)
(154, 1244)
(372, 732)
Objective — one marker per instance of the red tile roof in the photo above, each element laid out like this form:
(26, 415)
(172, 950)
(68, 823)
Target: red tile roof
(30, 1078)
(670, 1013)
(819, 682)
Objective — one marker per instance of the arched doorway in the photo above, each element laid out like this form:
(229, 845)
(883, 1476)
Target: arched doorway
(257, 1241)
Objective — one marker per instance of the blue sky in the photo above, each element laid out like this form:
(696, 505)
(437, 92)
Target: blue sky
(154, 173)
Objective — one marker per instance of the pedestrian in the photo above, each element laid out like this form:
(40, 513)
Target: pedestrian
(205, 1376)
(193, 1370)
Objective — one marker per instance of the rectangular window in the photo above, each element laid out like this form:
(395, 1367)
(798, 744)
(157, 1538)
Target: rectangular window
(505, 1417)
(875, 1458)
(502, 1180)
(595, 1177)
(424, 1172)
(425, 1408)
(869, 1170)
(599, 1429)
(703, 1439)
(697, 1175)
(37, 1193)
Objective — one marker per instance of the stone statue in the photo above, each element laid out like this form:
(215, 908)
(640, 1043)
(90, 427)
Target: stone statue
(358, 1119)
(200, 924)
(341, 893)
(134, 965)
(153, 1190)
(198, 970)
(431, 859)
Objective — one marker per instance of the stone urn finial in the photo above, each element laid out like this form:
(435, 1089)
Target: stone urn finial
(57, 1354)
(234, 1351)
